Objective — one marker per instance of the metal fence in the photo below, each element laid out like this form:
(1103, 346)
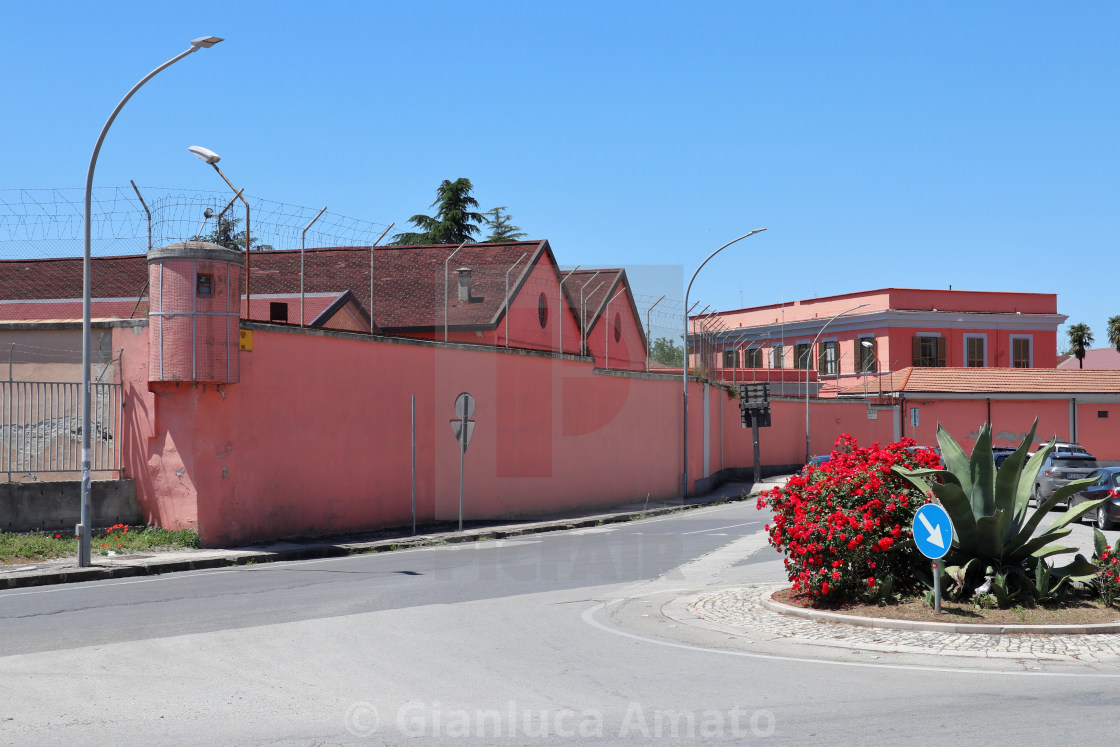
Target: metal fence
(41, 428)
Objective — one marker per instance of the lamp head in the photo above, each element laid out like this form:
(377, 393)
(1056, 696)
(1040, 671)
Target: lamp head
(205, 154)
(208, 213)
(205, 42)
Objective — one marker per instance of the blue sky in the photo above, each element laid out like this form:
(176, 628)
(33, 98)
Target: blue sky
(882, 144)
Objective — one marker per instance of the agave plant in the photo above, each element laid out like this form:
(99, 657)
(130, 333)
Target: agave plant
(995, 546)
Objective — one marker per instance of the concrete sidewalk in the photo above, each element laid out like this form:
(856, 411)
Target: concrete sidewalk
(66, 570)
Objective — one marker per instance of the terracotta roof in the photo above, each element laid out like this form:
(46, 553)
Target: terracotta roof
(110, 277)
(408, 280)
(1099, 358)
(993, 380)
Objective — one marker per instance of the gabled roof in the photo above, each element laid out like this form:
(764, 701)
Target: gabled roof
(1043, 381)
(1099, 358)
(408, 281)
(599, 287)
(409, 288)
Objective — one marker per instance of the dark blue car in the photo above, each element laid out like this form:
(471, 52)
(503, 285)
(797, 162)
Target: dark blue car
(1107, 485)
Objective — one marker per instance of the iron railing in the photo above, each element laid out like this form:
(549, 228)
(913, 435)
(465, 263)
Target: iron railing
(41, 428)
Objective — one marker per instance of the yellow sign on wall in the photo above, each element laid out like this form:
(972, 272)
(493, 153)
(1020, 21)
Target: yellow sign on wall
(247, 340)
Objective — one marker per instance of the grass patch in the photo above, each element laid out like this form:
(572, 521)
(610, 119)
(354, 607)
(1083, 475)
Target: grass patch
(33, 547)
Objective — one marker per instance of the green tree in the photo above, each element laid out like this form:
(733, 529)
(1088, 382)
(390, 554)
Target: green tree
(663, 350)
(1114, 331)
(1080, 337)
(501, 226)
(455, 220)
(225, 234)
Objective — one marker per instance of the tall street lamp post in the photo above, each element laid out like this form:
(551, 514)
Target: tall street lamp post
(684, 372)
(808, 363)
(83, 529)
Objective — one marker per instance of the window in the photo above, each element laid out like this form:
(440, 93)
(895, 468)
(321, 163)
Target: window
(866, 354)
(801, 354)
(542, 310)
(729, 357)
(975, 354)
(828, 358)
(277, 311)
(617, 327)
(1020, 352)
(929, 352)
(204, 284)
(778, 356)
(753, 358)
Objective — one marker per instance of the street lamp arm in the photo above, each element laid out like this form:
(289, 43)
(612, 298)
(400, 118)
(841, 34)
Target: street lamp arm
(808, 363)
(684, 366)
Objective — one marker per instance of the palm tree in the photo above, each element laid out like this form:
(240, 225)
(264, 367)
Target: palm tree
(1114, 331)
(454, 222)
(1080, 337)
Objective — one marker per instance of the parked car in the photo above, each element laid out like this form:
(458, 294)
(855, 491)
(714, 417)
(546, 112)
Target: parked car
(1001, 453)
(1107, 485)
(814, 463)
(1064, 447)
(1058, 469)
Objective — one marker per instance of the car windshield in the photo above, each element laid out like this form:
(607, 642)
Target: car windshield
(1075, 462)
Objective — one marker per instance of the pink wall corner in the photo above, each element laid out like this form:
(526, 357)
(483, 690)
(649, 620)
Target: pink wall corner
(149, 454)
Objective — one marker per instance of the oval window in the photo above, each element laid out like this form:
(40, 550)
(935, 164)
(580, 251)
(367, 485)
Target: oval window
(617, 327)
(542, 310)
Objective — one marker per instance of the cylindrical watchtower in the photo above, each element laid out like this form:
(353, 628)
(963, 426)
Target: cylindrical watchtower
(194, 313)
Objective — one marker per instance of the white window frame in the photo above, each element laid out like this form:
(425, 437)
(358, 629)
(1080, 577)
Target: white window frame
(964, 348)
(821, 346)
(1011, 349)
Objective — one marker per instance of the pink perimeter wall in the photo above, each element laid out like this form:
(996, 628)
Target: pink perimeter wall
(316, 436)
(315, 439)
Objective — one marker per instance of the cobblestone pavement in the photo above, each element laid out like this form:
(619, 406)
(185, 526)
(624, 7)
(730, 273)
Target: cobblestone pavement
(740, 612)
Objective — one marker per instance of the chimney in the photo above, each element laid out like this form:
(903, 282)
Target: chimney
(464, 284)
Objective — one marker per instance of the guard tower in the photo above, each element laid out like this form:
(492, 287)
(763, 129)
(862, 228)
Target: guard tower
(194, 313)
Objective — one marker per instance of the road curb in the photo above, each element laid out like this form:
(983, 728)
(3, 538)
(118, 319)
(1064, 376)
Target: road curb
(156, 566)
(937, 627)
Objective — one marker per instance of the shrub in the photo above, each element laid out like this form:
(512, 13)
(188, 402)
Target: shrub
(996, 543)
(845, 525)
(1108, 577)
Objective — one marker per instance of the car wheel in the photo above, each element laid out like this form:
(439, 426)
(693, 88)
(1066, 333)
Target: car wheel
(1103, 522)
(1035, 497)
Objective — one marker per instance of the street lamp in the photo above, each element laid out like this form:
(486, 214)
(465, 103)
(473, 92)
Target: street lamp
(809, 362)
(212, 158)
(83, 529)
(684, 372)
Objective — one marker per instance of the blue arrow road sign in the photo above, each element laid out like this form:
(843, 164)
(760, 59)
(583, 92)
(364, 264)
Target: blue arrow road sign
(933, 531)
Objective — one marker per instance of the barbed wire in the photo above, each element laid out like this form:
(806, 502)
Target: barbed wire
(49, 222)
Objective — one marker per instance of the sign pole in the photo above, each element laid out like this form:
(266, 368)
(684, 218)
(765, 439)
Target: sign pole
(933, 534)
(937, 586)
(462, 426)
(462, 454)
(757, 458)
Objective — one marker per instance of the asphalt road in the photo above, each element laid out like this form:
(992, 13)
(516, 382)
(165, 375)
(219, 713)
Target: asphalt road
(556, 636)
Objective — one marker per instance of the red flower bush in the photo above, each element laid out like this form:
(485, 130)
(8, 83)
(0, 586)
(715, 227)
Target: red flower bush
(1108, 578)
(845, 525)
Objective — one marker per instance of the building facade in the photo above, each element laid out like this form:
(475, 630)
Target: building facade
(842, 340)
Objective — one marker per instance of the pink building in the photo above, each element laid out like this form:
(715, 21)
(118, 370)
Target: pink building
(509, 295)
(862, 335)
